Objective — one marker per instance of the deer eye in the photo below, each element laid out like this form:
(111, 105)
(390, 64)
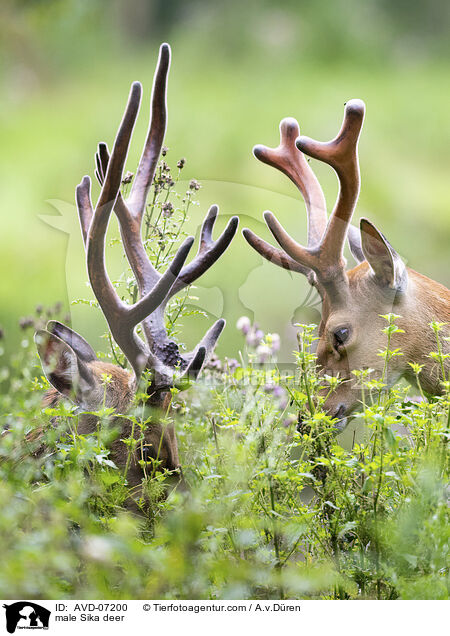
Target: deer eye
(340, 337)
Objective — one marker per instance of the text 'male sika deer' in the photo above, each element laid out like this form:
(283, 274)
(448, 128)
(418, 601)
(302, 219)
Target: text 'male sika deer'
(69, 362)
(350, 332)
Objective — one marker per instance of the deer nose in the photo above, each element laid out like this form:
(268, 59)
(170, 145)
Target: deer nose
(148, 453)
(340, 412)
(341, 420)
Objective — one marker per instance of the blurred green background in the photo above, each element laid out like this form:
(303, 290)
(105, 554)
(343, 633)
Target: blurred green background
(237, 69)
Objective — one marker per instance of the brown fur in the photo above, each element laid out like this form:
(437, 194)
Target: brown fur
(159, 441)
(424, 300)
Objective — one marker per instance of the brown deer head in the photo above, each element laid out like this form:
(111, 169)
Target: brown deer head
(69, 362)
(353, 302)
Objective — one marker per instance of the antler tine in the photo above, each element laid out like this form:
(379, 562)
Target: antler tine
(114, 309)
(154, 289)
(154, 298)
(326, 258)
(84, 206)
(113, 176)
(155, 136)
(287, 158)
(121, 318)
(130, 229)
(341, 154)
(95, 243)
(209, 251)
(201, 353)
(296, 251)
(273, 254)
(195, 365)
(101, 162)
(209, 340)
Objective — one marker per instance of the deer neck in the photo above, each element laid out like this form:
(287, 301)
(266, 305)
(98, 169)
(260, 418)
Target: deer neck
(426, 301)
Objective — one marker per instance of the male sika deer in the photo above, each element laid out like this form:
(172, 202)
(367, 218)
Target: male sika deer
(350, 332)
(69, 362)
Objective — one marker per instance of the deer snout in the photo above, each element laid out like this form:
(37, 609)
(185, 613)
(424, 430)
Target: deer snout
(338, 413)
(340, 416)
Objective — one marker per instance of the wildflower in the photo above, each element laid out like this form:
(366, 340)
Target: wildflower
(278, 392)
(164, 150)
(39, 309)
(181, 163)
(254, 336)
(243, 324)
(167, 210)
(128, 178)
(106, 378)
(263, 352)
(194, 184)
(289, 420)
(232, 364)
(25, 323)
(273, 340)
(214, 363)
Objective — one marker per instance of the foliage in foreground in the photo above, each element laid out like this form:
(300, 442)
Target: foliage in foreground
(273, 508)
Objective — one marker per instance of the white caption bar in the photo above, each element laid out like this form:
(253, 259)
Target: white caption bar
(206, 617)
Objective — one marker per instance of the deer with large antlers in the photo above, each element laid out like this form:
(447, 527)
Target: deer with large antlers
(353, 301)
(69, 362)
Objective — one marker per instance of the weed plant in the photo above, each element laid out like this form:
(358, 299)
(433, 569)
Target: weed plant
(275, 507)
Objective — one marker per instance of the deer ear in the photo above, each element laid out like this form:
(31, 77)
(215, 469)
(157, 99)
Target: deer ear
(388, 267)
(81, 347)
(64, 369)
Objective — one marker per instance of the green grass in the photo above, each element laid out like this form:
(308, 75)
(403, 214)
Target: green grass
(272, 509)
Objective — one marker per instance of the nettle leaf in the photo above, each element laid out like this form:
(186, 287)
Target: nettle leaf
(349, 525)
(390, 438)
(391, 473)
(307, 475)
(104, 461)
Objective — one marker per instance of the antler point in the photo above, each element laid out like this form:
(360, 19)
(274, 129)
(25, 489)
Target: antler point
(302, 142)
(289, 126)
(355, 107)
(213, 210)
(259, 151)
